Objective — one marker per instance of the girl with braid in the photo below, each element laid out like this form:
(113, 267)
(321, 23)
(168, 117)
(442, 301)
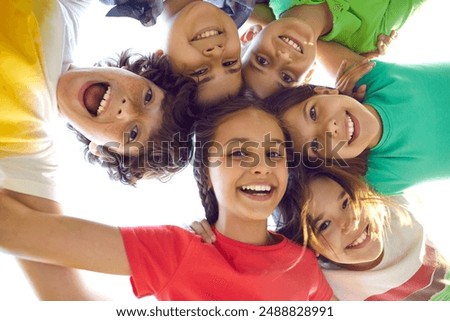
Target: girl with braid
(370, 247)
(243, 167)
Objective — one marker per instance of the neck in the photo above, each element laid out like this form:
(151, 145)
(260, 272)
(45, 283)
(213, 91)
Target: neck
(363, 266)
(250, 232)
(318, 16)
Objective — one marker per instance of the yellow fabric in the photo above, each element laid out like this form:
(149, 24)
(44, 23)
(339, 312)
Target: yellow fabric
(23, 88)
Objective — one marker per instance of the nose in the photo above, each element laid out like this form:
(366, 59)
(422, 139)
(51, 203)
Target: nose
(284, 56)
(262, 167)
(126, 109)
(332, 127)
(213, 51)
(349, 223)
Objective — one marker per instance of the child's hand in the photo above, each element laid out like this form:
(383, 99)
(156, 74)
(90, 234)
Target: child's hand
(146, 11)
(204, 230)
(348, 76)
(382, 45)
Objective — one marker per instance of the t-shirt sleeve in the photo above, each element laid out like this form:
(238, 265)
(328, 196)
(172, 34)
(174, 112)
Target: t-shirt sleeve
(154, 255)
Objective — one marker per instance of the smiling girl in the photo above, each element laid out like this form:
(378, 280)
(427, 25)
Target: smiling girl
(368, 239)
(368, 246)
(398, 132)
(282, 54)
(242, 170)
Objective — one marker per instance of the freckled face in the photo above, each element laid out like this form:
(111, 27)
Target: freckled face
(279, 56)
(332, 126)
(203, 43)
(111, 106)
(346, 238)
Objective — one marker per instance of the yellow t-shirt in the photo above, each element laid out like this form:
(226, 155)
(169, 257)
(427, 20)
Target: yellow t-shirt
(23, 87)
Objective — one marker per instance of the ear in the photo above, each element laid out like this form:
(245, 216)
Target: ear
(93, 149)
(250, 33)
(159, 52)
(325, 91)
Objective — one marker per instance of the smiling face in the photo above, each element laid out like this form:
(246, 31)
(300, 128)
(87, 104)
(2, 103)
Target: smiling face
(203, 43)
(332, 126)
(248, 172)
(279, 56)
(345, 237)
(111, 105)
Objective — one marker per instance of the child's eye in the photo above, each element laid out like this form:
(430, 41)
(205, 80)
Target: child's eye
(323, 226)
(314, 145)
(133, 134)
(148, 96)
(312, 113)
(238, 153)
(199, 72)
(229, 63)
(287, 78)
(262, 61)
(274, 154)
(345, 203)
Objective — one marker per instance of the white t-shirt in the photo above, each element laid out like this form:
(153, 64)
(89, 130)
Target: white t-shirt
(408, 270)
(29, 164)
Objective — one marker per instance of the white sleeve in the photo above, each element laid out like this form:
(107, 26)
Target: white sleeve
(32, 174)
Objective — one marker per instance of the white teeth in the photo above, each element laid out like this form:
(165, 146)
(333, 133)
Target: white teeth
(351, 127)
(207, 34)
(104, 101)
(292, 43)
(359, 240)
(257, 188)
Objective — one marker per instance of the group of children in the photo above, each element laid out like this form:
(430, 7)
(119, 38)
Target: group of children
(243, 163)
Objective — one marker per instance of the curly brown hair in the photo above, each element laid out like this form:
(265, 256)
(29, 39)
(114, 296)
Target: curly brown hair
(204, 130)
(169, 148)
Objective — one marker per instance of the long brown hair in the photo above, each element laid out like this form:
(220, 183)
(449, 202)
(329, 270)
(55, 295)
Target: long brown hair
(300, 228)
(204, 131)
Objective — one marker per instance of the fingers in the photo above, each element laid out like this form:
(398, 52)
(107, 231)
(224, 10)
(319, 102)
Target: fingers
(384, 41)
(203, 229)
(347, 81)
(360, 93)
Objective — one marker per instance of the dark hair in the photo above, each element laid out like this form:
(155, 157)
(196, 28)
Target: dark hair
(282, 101)
(169, 149)
(204, 131)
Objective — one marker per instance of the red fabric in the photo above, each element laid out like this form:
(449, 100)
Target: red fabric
(174, 264)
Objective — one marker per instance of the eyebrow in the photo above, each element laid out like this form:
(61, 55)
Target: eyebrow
(261, 71)
(229, 71)
(320, 216)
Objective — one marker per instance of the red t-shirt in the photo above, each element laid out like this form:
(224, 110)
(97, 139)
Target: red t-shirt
(174, 264)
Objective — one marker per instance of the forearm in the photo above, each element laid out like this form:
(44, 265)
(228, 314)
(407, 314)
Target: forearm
(60, 240)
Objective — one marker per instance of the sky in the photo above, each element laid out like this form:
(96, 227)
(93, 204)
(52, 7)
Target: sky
(88, 192)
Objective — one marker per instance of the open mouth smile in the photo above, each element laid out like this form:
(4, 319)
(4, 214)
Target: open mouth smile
(96, 98)
(211, 32)
(257, 192)
(361, 241)
(352, 126)
(291, 42)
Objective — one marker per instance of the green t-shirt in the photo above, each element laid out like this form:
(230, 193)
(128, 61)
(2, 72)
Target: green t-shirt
(357, 23)
(413, 102)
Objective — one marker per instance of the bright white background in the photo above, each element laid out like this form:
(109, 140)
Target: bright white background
(88, 193)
